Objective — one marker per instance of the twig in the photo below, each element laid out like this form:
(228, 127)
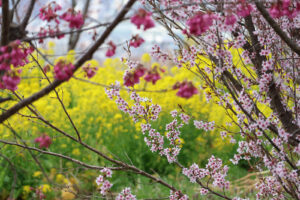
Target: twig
(61, 156)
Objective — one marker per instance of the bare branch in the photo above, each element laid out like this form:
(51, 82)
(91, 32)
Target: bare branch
(60, 155)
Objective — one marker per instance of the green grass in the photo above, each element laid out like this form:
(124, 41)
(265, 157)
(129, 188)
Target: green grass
(127, 145)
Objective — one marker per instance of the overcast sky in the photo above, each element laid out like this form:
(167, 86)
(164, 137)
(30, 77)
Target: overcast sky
(104, 11)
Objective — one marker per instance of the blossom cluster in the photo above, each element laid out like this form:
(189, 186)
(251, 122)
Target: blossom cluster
(102, 181)
(207, 126)
(126, 195)
(12, 56)
(177, 195)
(284, 8)
(133, 76)
(186, 89)
(63, 70)
(44, 141)
(213, 169)
(89, 70)
(50, 13)
(154, 140)
(141, 18)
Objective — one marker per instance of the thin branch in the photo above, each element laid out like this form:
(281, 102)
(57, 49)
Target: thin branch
(57, 95)
(61, 156)
(121, 88)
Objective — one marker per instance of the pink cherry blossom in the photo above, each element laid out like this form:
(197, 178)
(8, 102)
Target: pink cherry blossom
(126, 195)
(102, 181)
(63, 70)
(44, 141)
(142, 17)
(284, 8)
(244, 9)
(130, 79)
(200, 23)
(186, 89)
(74, 18)
(48, 13)
(177, 195)
(136, 41)
(10, 80)
(111, 50)
(153, 75)
(230, 19)
(89, 71)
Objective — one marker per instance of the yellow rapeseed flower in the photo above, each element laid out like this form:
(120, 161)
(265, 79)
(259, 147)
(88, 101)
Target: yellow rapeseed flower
(37, 174)
(45, 188)
(26, 189)
(76, 152)
(146, 58)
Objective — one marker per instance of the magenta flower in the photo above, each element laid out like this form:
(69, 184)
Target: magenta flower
(142, 17)
(130, 79)
(140, 71)
(244, 9)
(111, 50)
(63, 70)
(75, 19)
(44, 141)
(200, 23)
(136, 41)
(275, 12)
(90, 71)
(152, 77)
(284, 8)
(11, 80)
(230, 19)
(186, 89)
(48, 13)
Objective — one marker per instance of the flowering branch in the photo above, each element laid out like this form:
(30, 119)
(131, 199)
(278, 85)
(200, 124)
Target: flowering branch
(293, 45)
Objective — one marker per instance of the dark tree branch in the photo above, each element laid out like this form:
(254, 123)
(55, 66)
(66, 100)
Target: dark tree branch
(277, 29)
(284, 115)
(5, 99)
(5, 23)
(28, 15)
(88, 55)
